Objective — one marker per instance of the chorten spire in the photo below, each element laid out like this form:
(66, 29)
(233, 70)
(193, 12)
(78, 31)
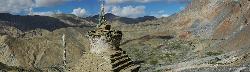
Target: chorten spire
(102, 20)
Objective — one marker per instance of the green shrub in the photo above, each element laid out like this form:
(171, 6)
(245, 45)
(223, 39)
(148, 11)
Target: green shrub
(174, 44)
(213, 53)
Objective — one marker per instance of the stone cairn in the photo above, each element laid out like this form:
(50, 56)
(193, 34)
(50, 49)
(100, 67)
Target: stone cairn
(105, 43)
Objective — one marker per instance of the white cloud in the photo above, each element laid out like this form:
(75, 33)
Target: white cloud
(48, 13)
(129, 11)
(182, 8)
(160, 14)
(161, 11)
(165, 15)
(145, 1)
(123, 1)
(15, 6)
(18, 6)
(115, 1)
(178, 1)
(45, 3)
(42, 3)
(80, 12)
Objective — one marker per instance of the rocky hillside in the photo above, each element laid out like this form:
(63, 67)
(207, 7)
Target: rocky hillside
(208, 35)
(205, 34)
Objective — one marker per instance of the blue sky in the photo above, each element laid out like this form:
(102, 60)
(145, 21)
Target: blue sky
(83, 8)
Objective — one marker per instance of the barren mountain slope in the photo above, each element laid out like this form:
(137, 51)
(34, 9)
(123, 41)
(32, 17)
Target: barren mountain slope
(208, 27)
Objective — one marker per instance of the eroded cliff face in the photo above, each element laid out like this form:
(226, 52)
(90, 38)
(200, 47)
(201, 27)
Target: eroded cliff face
(42, 52)
(213, 18)
(220, 26)
(224, 23)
